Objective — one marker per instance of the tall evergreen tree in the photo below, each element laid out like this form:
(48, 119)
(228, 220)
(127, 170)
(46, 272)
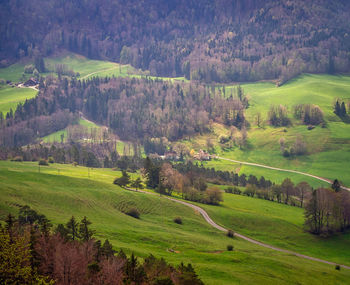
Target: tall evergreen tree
(84, 232)
(72, 227)
(342, 109)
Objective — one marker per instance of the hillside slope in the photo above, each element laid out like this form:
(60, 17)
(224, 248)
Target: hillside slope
(219, 40)
(59, 197)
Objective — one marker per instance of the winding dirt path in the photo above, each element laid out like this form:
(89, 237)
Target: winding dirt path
(98, 71)
(220, 228)
(280, 169)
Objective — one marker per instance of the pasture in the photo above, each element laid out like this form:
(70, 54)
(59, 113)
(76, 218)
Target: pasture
(70, 191)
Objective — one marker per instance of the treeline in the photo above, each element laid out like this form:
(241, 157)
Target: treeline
(211, 41)
(286, 192)
(164, 179)
(16, 132)
(96, 155)
(222, 177)
(32, 252)
(190, 180)
(328, 211)
(132, 108)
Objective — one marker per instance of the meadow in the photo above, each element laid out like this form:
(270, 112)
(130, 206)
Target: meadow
(11, 96)
(69, 191)
(328, 149)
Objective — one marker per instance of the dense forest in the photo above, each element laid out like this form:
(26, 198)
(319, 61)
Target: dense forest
(212, 41)
(135, 109)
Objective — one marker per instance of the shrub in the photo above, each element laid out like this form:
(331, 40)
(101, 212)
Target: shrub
(17, 158)
(133, 212)
(236, 190)
(229, 190)
(229, 247)
(230, 233)
(43, 162)
(178, 220)
(286, 153)
(224, 139)
(213, 196)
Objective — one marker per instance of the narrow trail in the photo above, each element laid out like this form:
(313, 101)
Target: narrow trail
(220, 228)
(280, 169)
(98, 71)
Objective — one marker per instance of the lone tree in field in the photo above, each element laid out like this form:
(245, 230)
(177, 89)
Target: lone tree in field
(122, 181)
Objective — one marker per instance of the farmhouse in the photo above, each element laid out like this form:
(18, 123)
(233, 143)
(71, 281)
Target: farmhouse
(31, 82)
(202, 155)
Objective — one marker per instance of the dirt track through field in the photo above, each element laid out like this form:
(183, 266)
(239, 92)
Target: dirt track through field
(280, 169)
(220, 228)
(98, 71)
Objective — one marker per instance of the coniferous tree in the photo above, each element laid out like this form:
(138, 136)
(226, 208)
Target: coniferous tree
(337, 108)
(336, 185)
(84, 232)
(107, 249)
(342, 109)
(72, 227)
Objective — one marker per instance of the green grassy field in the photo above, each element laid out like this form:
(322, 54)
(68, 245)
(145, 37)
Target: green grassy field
(121, 146)
(56, 136)
(278, 224)
(328, 148)
(88, 68)
(69, 192)
(11, 96)
(13, 72)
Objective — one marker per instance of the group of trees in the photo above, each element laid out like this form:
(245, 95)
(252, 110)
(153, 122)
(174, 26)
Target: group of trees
(309, 114)
(286, 192)
(212, 41)
(133, 108)
(299, 147)
(328, 211)
(96, 155)
(278, 116)
(31, 252)
(340, 109)
(221, 177)
(14, 131)
(165, 179)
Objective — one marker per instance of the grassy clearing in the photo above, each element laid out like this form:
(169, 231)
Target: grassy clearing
(122, 147)
(11, 96)
(13, 72)
(60, 196)
(88, 68)
(56, 136)
(328, 148)
(278, 224)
